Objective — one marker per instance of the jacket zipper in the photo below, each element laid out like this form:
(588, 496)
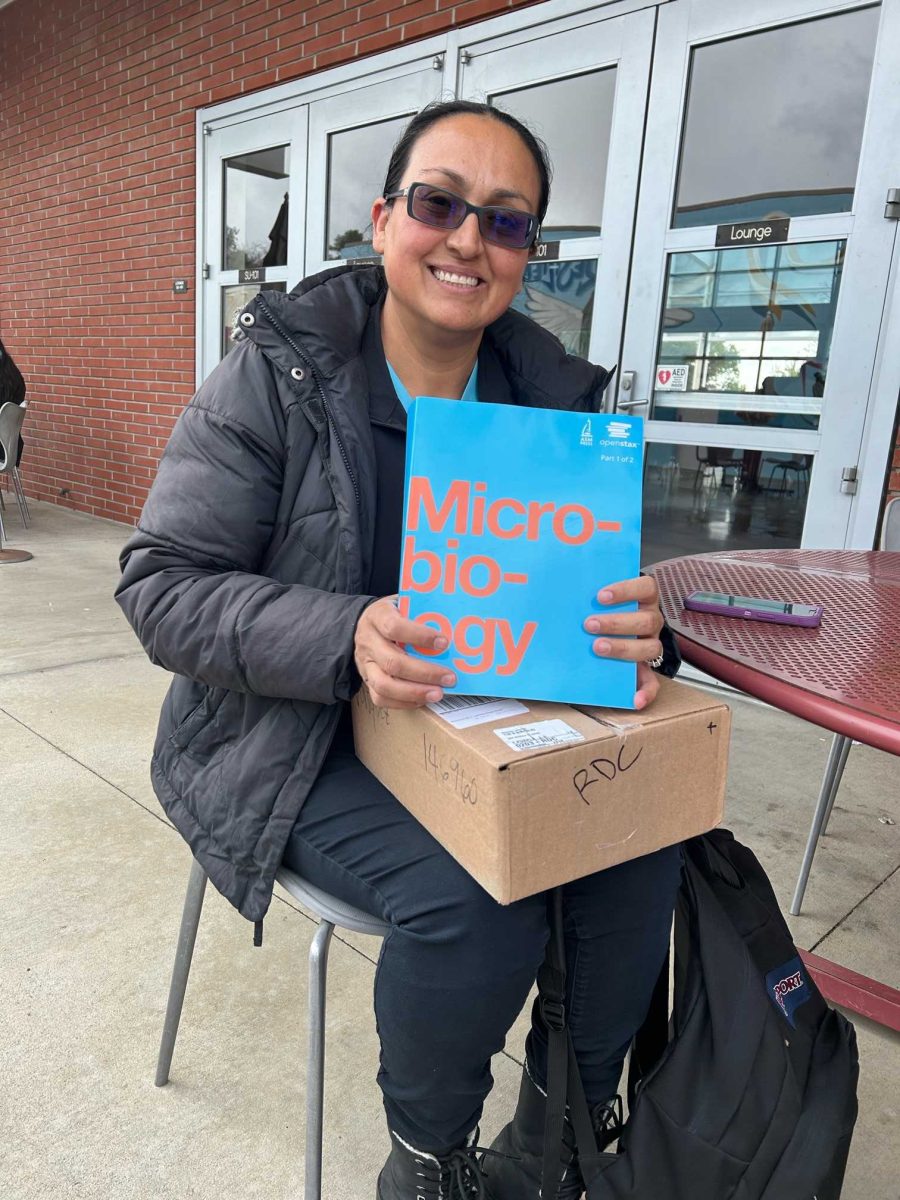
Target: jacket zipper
(280, 329)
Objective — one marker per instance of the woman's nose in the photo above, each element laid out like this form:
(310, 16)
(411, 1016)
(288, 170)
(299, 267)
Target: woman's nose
(466, 238)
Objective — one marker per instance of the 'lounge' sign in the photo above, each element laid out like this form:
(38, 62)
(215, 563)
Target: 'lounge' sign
(753, 233)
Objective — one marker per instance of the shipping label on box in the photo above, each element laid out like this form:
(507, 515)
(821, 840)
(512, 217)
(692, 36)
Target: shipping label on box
(514, 518)
(527, 801)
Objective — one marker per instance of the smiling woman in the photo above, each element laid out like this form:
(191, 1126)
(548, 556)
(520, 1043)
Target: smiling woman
(263, 574)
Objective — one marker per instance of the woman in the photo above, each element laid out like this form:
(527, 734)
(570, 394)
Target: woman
(262, 573)
(12, 388)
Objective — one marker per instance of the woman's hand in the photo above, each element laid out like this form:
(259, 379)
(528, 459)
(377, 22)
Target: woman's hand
(632, 636)
(396, 679)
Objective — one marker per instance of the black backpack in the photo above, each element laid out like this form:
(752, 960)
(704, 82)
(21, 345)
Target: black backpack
(749, 1092)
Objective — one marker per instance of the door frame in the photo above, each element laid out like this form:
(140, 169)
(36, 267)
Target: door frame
(837, 442)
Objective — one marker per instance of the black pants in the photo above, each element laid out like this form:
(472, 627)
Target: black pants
(456, 968)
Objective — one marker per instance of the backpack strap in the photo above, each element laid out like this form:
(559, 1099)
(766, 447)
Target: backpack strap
(563, 1077)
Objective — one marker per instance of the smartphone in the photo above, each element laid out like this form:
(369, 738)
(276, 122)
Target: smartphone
(753, 608)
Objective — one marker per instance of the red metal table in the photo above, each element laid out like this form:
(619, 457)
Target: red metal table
(842, 675)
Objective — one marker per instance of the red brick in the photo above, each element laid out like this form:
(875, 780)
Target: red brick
(326, 42)
(321, 12)
(376, 42)
(412, 11)
(330, 58)
(476, 10)
(362, 29)
(424, 26)
(376, 8)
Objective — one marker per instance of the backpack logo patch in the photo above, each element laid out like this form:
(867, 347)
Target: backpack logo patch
(788, 988)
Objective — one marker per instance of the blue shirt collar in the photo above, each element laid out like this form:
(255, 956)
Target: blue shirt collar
(470, 392)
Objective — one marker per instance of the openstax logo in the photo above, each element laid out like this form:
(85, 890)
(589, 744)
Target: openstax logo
(619, 429)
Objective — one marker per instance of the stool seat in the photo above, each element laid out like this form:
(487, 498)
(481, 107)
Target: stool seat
(330, 908)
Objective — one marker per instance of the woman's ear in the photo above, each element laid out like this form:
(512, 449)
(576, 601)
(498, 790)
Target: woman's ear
(381, 211)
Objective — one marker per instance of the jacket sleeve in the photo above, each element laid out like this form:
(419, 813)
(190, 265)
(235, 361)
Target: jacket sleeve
(190, 584)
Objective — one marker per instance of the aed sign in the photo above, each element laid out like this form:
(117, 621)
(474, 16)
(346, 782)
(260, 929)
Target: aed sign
(753, 233)
(671, 378)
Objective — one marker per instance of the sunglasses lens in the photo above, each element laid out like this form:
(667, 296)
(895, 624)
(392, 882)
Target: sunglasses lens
(503, 226)
(436, 207)
(507, 227)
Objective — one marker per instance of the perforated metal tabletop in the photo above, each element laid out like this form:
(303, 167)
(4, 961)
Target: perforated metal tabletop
(843, 675)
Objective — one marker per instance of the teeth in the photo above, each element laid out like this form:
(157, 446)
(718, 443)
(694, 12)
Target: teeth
(448, 277)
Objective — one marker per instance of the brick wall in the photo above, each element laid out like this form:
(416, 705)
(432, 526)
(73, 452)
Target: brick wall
(97, 204)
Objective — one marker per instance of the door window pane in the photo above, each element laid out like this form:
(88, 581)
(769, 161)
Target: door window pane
(256, 209)
(775, 121)
(560, 296)
(357, 164)
(574, 118)
(698, 499)
(753, 323)
(234, 299)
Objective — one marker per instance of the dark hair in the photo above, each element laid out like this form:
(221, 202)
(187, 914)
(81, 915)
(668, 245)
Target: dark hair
(438, 111)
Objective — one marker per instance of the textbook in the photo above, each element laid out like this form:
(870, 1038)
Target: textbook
(514, 519)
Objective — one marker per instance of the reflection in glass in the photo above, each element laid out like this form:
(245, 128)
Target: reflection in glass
(783, 137)
(574, 117)
(752, 323)
(234, 299)
(560, 296)
(256, 209)
(356, 164)
(698, 499)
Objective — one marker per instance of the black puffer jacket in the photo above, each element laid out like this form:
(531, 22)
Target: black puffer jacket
(248, 570)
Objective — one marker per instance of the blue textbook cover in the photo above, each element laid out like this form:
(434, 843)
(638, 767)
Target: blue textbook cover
(514, 519)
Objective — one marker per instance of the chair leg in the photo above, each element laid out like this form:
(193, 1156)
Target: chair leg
(834, 769)
(20, 496)
(315, 1071)
(190, 919)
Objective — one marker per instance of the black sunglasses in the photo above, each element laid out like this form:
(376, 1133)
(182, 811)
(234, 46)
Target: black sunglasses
(509, 227)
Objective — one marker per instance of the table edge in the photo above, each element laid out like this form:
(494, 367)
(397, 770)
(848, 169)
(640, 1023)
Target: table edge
(819, 710)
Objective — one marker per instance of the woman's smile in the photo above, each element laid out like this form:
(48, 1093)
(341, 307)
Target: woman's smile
(455, 278)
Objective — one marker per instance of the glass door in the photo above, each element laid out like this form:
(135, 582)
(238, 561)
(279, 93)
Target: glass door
(253, 226)
(760, 267)
(582, 88)
(351, 137)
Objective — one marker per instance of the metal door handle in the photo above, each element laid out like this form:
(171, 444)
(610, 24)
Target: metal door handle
(624, 404)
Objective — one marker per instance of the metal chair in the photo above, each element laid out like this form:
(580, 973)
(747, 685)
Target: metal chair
(11, 418)
(890, 525)
(714, 459)
(331, 912)
(840, 745)
(799, 466)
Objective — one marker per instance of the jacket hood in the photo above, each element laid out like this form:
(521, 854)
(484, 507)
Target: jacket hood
(325, 316)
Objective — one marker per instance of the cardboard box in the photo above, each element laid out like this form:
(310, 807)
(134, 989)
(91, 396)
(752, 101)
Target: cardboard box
(550, 793)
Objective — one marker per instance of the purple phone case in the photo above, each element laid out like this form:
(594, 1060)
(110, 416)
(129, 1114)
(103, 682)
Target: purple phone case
(754, 614)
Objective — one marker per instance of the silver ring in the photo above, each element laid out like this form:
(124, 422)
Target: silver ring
(656, 663)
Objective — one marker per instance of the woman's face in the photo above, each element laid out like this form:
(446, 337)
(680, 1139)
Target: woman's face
(451, 281)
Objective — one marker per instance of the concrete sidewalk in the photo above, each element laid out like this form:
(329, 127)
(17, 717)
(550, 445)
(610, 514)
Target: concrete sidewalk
(93, 881)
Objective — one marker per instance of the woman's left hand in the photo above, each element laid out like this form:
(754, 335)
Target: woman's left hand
(632, 636)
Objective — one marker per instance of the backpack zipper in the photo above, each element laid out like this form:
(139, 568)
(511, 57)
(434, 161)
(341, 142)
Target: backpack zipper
(280, 329)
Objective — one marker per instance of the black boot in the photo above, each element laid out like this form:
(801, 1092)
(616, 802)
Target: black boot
(514, 1171)
(411, 1174)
